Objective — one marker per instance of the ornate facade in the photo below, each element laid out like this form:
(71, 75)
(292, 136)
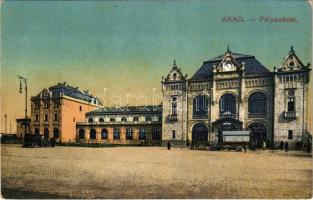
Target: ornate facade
(123, 125)
(236, 92)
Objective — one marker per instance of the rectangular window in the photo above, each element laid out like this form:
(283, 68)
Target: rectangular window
(173, 134)
(290, 135)
(46, 117)
(291, 104)
(37, 118)
(174, 108)
(80, 108)
(55, 116)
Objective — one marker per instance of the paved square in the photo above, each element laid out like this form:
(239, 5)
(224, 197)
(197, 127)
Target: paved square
(154, 172)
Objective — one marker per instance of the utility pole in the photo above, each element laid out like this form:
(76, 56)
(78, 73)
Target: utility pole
(5, 121)
(21, 78)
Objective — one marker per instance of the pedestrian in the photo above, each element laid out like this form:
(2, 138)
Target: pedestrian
(308, 148)
(281, 146)
(168, 145)
(245, 148)
(286, 146)
(264, 145)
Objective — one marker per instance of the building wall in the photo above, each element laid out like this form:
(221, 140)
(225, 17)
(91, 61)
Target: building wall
(68, 113)
(122, 129)
(72, 111)
(310, 103)
(170, 122)
(298, 123)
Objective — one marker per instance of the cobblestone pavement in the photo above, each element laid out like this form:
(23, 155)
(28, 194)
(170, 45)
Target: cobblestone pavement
(154, 172)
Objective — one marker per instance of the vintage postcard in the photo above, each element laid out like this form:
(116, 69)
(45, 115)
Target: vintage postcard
(140, 99)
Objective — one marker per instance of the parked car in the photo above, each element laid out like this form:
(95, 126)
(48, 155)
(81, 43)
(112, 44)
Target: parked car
(35, 140)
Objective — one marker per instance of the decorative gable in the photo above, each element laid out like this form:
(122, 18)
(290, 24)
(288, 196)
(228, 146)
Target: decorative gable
(175, 74)
(291, 63)
(228, 63)
(45, 94)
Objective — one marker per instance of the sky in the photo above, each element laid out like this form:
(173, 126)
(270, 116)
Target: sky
(127, 46)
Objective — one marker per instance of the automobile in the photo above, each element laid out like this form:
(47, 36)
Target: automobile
(36, 140)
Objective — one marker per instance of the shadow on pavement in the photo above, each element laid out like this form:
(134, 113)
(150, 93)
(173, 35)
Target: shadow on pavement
(9, 193)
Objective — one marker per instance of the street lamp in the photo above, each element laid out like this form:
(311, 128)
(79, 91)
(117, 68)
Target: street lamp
(21, 78)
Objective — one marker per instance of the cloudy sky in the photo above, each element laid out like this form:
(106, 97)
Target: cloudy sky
(127, 46)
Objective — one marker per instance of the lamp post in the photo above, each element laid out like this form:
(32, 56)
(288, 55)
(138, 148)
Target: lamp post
(21, 78)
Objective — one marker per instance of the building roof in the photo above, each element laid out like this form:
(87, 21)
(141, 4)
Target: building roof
(127, 110)
(63, 89)
(22, 119)
(252, 66)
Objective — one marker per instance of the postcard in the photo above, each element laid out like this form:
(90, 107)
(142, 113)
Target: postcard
(139, 99)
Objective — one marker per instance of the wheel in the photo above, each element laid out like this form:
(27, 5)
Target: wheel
(34, 144)
(239, 148)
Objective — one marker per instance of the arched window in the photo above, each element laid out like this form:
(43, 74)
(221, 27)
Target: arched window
(56, 133)
(136, 119)
(142, 134)
(92, 134)
(129, 134)
(90, 120)
(124, 119)
(101, 120)
(81, 134)
(112, 119)
(200, 106)
(228, 104)
(257, 103)
(174, 106)
(104, 134)
(116, 134)
(156, 134)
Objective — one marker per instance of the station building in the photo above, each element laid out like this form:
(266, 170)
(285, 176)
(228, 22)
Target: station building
(237, 92)
(122, 125)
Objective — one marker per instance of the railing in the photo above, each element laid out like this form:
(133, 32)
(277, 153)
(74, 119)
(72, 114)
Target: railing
(172, 118)
(119, 122)
(257, 115)
(228, 116)
(290, 114)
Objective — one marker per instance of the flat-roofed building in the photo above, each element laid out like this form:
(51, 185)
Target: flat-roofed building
(123, 125)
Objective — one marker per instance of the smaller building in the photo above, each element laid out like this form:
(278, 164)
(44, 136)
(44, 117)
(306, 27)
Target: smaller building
(20, 127)
(123, 125)
(55, 111)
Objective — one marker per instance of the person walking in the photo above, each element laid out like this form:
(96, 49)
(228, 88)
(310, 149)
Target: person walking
(286, 146)
(168, 145)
